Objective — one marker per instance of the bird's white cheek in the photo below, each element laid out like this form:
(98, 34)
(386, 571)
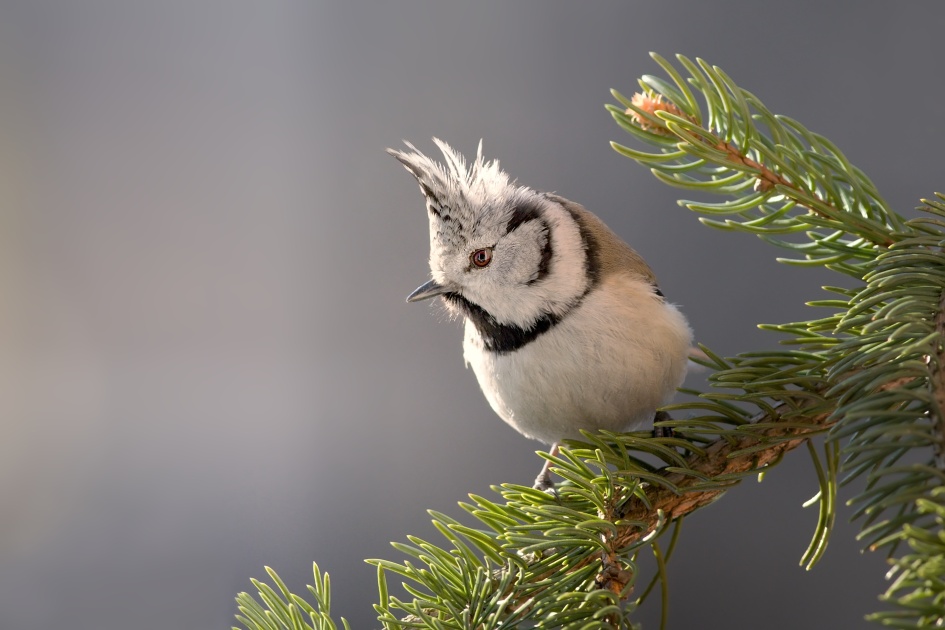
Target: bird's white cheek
(482, 287)
(516, 264)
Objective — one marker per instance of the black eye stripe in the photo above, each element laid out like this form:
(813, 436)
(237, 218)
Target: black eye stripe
(527, 212)
(544, 264)
(523, 213)
(591, 248)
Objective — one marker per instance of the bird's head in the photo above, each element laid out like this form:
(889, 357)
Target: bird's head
(509, 251)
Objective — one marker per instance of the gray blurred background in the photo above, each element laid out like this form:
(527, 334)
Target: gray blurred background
(207, 364)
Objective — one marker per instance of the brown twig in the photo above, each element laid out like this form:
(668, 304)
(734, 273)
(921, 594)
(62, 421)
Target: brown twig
(720, 458)
(765, 179)
(938, 388)
(717, 461)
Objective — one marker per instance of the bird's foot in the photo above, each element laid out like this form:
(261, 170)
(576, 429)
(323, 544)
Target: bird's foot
(543, 481)
(662, 432)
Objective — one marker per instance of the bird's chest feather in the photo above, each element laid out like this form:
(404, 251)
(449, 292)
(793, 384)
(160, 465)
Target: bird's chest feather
(606, 365)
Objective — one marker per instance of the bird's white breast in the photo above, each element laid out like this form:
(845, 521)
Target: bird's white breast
(608, 364)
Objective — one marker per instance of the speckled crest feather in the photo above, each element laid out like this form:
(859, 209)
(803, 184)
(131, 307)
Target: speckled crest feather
(457, 193)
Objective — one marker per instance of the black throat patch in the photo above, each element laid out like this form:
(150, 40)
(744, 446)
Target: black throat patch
(496, 337)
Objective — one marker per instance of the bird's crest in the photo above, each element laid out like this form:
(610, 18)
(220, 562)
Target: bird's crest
(458, 193)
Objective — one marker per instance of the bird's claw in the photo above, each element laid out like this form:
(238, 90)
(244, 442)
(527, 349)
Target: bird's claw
(544, 483)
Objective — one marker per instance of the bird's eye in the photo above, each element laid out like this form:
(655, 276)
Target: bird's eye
(481, 257)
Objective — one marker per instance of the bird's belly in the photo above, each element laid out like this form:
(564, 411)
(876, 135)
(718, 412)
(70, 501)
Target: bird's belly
(607, 365)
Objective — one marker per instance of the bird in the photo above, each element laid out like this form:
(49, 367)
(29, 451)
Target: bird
(566, 328)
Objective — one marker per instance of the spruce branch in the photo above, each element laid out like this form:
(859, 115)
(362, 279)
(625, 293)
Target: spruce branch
(684, 489)
(939, 388)
(882, 353)
(869, 377)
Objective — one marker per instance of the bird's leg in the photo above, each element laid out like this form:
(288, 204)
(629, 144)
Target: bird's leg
(543, 481)
(662, 431)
